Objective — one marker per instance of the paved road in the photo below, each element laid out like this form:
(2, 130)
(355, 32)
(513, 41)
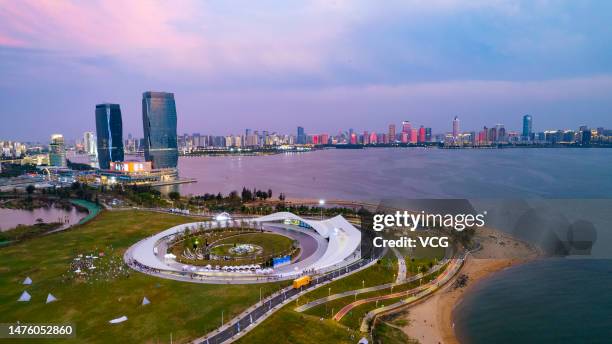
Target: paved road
(250, 317)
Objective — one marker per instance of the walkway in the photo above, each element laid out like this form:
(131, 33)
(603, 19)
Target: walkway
(401, 266)
(403, 278)
(450, 271)
(421, 293)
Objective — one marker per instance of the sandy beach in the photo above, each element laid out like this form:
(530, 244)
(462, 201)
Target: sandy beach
(431, 321)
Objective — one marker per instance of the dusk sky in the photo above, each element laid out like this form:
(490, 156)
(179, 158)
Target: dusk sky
(325, 65)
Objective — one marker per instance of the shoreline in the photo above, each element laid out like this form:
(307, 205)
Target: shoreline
(432, 321)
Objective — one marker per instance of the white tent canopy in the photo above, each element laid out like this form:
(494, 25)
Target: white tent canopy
(145, 301)
(25, 297)
(27, 281)
(118, 320)
(51, 298)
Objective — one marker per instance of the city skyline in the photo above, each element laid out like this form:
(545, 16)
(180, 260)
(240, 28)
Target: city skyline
(341, 64)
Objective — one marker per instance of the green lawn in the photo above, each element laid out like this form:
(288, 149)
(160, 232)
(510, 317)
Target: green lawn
(185, 310)
(288, 326)
(271, 243)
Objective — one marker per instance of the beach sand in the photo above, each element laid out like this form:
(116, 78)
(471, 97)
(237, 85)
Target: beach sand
(431, 320)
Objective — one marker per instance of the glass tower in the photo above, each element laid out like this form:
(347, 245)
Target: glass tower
(527, 127)
(159, 124)
(301, 136)
(109, 129)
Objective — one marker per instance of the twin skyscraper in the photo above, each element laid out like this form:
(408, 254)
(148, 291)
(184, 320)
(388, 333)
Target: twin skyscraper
(159, 126)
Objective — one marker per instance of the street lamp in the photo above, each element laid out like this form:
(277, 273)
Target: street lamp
(321, 204)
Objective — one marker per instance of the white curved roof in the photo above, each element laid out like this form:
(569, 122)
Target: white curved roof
(343, 241)
(343, 237)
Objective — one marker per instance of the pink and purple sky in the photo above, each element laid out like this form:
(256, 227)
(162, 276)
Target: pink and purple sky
(325, 65)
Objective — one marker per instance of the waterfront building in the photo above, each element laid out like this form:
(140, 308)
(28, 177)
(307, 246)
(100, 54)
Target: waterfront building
(301, 136)
(57, 151)
(391, 136)
(527, 127)
(414, 134)
(159, 124)
(421, 134)
(456, 127)
(109, 129)
(324, 139)
(373, 138)
(427, 134)
(406, 126)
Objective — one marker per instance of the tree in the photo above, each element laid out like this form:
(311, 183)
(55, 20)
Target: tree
(174, 195)
(269, 193)
(30, 189)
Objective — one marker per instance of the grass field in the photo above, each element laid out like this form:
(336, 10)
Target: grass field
(271, 243)
(186, 310)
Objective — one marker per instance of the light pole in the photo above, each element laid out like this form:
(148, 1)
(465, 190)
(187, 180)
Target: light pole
(329, 291)
(321, 204)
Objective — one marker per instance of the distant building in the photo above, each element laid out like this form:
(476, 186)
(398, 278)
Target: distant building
(57, 151)
(89, 142)
(414, 134)
(391, 136)
(427, 134)
(301, 136)
(421, 134)
(109, 128)
(527, 127)
(159, 124)
(406, 126)
(456, 127)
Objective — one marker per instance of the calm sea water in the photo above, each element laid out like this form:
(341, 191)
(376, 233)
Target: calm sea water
(546, 301)
(372, 174)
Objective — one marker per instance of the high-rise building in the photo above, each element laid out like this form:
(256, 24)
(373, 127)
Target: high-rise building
(109, 129)
(406, 126)
(421, 134)
(89, 142)
(57, 151)
(527, 127)
(501, 133)
(391, 136)
(301, 136)
(159, 124)
(427, 134)
(414, 134)
(456, 127)
(373, 138)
